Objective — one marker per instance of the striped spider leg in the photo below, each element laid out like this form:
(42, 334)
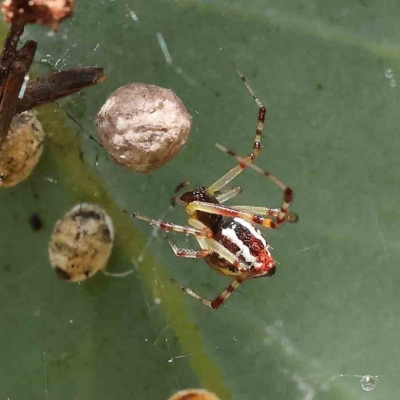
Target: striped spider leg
(283, 214)
(208, 246)
(225, 179)
(273, 212)
(217, 302)
(171, 227)
(247, 212)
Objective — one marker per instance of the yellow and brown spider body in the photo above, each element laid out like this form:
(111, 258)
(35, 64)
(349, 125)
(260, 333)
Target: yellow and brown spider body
(238, 236)
(227, 235)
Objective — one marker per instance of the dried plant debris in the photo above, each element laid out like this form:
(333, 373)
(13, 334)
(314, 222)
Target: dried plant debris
(81, 242)
(143, 126)
(15, 64)
(22, 149)
(194, 394)
(59, 84)
(44, 12)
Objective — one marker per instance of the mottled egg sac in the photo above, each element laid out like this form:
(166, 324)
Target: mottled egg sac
(245, 241)
(21, 150)
(81, 242)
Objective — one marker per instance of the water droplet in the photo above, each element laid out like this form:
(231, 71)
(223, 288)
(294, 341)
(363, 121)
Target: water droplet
(392, 83)
(368, 382)
(388, 73)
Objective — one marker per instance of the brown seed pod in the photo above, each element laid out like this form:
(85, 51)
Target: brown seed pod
(143, 126)
(194, 394)
(21, 150)
(81, 242)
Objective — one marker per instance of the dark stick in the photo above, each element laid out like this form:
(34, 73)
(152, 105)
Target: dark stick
(54, 86)
(9, 51)
(13, 85)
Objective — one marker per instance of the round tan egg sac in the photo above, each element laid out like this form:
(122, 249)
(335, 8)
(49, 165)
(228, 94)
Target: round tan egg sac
(143, 126)
(81, 242)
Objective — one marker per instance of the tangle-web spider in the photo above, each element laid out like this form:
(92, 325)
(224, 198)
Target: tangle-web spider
(229, 240)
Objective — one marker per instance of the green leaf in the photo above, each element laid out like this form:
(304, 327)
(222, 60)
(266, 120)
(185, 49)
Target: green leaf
(329, 75)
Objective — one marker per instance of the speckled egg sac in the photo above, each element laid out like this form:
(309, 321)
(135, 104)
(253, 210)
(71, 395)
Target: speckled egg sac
(81, 242)
(143, 126)
(21, 150)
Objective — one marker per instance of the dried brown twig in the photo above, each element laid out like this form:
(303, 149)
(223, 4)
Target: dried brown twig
(15, 64)
(9, 52)
(54, 86)
(15, 80)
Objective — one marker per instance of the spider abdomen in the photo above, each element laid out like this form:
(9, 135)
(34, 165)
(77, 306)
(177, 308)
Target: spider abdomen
(245, 241)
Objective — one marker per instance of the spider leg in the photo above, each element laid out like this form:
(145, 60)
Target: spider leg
(273, 212)
(169, 226)
(179, 187)
(287, 191)
(208, 246)
(248, 87)
(176, 200)
(225, 179)
(237, 266)
(217, 302)
(226, 211)
(187, 253)
(228, 194)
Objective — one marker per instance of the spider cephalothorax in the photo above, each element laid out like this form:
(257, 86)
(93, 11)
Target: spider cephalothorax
(212, 221)
(227, 235)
